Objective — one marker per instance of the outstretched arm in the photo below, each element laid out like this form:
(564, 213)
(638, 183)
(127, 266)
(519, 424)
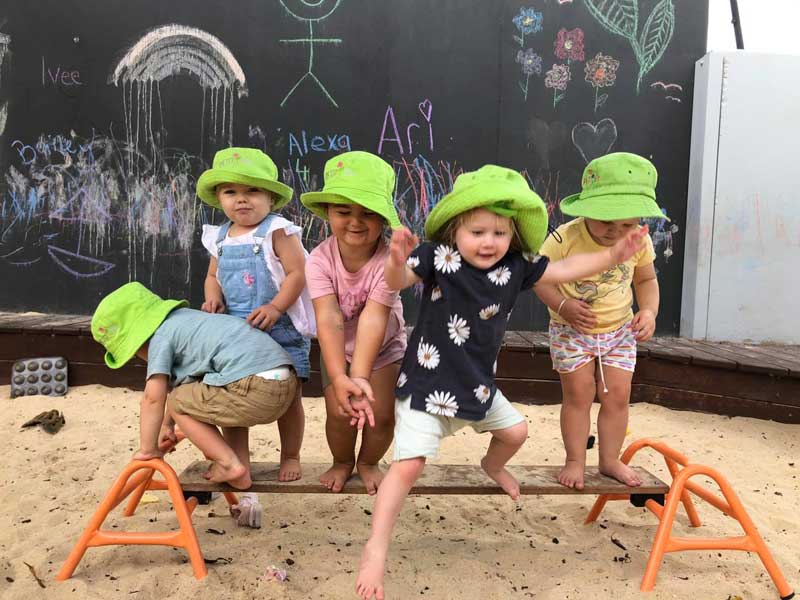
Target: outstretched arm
(587, 264)
(151, 416)
(396, 272)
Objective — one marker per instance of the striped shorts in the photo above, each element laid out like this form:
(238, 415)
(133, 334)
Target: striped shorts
(570, 350)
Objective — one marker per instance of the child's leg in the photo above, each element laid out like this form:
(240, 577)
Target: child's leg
(504, 445)
(578, 393)
(612, 424)
(226, 465)
(375, 441)
(290, 428)
(391, 495)
(342, 442)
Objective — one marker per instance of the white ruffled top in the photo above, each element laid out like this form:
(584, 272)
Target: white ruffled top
(302, 311)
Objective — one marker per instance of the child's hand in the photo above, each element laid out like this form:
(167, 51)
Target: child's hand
(578, 314)
(167, 440)
(213, 305)
(644, 325)
(363, 413)
(629, 245)
(403, 242)
(343, 389)
(264, 317)
(147, 454)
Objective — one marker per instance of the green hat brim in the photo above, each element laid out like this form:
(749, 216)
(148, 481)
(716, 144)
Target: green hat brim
(145, 328)
(209, 180)
(316, 201)
(612, 207)
(531, 220)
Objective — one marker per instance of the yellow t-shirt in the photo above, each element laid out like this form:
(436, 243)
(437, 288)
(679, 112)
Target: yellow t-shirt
(610, 293)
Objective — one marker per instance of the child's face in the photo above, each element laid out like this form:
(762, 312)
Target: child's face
(246, 206)
(483, 238)
(608, 233)
(353, 225)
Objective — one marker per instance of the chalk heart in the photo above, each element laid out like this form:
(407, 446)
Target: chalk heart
(426, 108)
(593, 140)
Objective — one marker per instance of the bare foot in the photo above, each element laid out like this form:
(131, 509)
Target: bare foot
(335, 477)
(505, 479)
(236, 475)
(621, 472)
(371, 475)
(369, 583)
(572, 475)
(289, 470)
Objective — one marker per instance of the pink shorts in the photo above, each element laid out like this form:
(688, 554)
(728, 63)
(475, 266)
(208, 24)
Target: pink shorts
(570, 350)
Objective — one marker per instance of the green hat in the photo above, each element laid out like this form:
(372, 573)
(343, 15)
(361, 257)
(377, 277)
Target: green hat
(356, 178)
(615, 187)
(500, 190)
(126, 318)
(247, 166)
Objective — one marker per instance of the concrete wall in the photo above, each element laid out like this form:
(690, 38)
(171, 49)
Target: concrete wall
(741, 266)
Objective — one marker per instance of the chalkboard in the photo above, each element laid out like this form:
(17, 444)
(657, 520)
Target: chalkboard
(110, 110)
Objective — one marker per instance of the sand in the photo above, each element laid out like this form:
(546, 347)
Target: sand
(445, 547)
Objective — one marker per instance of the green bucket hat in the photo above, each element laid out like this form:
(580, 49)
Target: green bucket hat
(615, 187)
(126, 318)
(246, 166)
(500, 190)
(356, 178)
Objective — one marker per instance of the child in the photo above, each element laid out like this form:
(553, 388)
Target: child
(256, 270)
(592, 318)
(484, 234)
(359, 319)
(208, 370)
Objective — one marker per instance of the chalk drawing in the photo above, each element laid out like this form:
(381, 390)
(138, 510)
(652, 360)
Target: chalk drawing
(310, 11)
(601, 72)
(527, 22)
(531, 64)
(5, 41)
(172, 50)
(666, 86)
(594, 140)
(557, 79)
(425, 108)
(621, 17)
(673, 98)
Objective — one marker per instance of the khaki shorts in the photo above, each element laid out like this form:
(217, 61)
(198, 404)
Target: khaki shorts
(245, 402)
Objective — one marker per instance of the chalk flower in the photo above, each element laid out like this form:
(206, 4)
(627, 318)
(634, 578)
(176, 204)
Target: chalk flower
(569, 44)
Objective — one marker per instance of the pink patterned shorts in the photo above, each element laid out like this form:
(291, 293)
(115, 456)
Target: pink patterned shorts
(570, 350)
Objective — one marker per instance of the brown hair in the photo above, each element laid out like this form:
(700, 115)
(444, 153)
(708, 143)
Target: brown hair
(447, 234)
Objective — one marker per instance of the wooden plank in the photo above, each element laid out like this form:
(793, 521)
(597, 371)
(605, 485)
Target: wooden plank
(775, 355)
(678, 399)
(746, 363)
(661, 348)
(435, 479)
(514, 341)
(699, 355)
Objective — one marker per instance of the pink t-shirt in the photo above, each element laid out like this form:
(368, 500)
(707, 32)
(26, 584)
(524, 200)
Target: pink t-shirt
(325, 274)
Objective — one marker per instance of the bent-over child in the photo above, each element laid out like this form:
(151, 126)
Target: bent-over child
(484, 236)
(359, 318)
(257, 270)
(593, 331)
(203, 371)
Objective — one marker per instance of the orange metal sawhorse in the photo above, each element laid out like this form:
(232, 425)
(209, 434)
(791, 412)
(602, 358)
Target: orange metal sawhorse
(681, 471)
(135, 479)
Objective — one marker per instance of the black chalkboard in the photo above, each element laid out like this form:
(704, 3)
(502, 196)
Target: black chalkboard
(109, 111)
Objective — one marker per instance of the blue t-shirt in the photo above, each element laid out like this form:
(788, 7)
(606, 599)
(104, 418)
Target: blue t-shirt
(448, 368)
(191, 345)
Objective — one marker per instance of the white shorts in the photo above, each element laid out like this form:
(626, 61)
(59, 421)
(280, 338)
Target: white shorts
(418, 433)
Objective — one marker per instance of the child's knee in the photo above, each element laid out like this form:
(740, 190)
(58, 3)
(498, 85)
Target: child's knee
(409, 469)
(516, 435)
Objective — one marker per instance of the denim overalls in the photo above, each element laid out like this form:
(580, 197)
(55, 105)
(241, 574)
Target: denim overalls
(247, 284)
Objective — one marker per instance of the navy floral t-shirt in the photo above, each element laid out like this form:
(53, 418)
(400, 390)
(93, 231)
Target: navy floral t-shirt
(449, 364)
